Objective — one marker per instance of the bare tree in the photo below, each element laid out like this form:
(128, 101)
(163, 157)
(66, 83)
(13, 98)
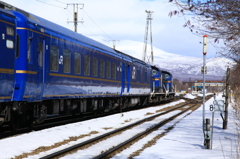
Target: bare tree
(235, 82)
(219, 19)
(177, 85)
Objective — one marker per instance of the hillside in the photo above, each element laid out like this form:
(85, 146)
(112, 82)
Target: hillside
(182, 67)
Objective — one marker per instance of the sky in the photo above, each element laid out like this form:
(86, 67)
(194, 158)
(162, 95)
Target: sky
(118, 20)
(184, 141)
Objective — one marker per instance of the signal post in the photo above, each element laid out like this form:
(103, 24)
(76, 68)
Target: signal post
(206, 122)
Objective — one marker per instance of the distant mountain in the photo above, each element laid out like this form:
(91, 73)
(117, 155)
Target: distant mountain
(184, 68)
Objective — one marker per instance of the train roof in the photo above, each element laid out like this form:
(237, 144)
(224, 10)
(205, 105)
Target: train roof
(163, 71)
(166, 72)
(67, 32)
(133, 58)
(154, 67)
(3, 11)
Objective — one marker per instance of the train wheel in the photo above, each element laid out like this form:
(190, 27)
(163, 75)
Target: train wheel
(125, 104)
(42, 113)
(95, 107)
(109, 106)
(101, 106)
(15, 121)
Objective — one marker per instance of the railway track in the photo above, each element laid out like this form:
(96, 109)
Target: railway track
(55, 121)
(82, 138)
(118, 147)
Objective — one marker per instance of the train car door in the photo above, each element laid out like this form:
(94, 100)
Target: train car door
(41, 66)
(7, 53)
(123, 78)
(128, 77)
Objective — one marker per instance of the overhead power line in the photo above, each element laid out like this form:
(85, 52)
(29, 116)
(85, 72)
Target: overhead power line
(97, 25)
(60, 2)
(88, 30)
(49, 4)
(75, 16)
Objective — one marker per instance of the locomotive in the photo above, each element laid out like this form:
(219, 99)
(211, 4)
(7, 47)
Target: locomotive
(48, 70)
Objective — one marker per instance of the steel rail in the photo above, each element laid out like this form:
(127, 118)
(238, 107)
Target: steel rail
(107, 153)
(71, 148)
(51, 122)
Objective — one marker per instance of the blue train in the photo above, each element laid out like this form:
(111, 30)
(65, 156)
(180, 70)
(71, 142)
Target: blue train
(47, 70)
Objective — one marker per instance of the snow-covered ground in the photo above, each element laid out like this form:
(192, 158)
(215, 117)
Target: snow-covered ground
(184, 141)
(190, 96)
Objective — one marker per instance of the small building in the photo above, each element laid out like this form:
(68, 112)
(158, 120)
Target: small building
(211, 86)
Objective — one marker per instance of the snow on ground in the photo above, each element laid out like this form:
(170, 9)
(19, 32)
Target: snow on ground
(14, 146)
(184, 141)
(190, 96)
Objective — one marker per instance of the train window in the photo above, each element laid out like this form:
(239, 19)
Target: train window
(9, 44)
(134, 73)
(95, 67)
(86, 65)
(166, 76)
(54, 58)
(29, 50)
(10, 31)
(102, 68)
(66, 61)
(40, 54)
(108, 69)
(77, 63)
(145, 78)
(154, 72)
(114, 71)
(138, 75)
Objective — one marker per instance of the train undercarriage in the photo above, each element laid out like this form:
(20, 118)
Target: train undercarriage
(24, 114)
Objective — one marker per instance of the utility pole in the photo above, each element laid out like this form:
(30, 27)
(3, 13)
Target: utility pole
(75, 15)
(114, 43)
(225, 121)
(148, 24)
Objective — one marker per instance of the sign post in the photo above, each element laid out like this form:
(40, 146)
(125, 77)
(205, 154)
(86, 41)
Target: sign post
(218, 106)
(205, 48)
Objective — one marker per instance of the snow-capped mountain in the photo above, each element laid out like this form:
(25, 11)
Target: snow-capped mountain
(182, 67)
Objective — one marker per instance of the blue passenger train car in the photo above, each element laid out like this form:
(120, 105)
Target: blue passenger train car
(50, 70)
(7, 54)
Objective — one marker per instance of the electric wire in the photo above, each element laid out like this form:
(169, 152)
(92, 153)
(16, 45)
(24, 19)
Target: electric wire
(49, 4)
(88, 30)
(97, 25)
(84, 12)
(66, 14)
(69, 11)
(60, 2)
